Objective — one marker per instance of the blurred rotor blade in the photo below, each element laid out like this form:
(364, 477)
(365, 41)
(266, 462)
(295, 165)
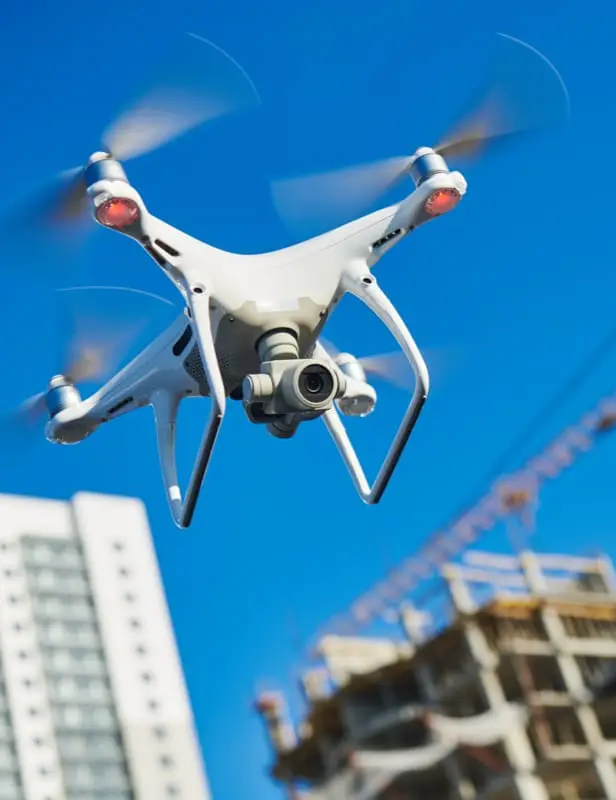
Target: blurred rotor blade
(105, 322)
(524, 92)
(316, 200)
(65, 200)
(30, 411)
(50, 225)
(331, 349)
(395, 369)
(205, 82)
(19, 427)
(391, 367)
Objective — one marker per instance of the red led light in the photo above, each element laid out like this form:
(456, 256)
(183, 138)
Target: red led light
(117, 212)
(441, 201)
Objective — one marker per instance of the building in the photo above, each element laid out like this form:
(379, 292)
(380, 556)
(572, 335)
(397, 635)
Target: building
(93, 704)
(528, 640)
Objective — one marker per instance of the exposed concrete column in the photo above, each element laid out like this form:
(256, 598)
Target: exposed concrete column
(413, 622)
(517, 745)
(606, 570)
(573, 678)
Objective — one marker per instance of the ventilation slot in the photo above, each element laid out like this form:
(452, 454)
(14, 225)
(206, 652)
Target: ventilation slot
(385, 239)
(194, 367)
(182, 342)
(171, 251)
(155, 255)
(120, 405)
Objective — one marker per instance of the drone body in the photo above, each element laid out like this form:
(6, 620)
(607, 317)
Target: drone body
(251, 329)
(252, 325)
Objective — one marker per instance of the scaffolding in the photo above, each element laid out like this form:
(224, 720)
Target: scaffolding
(533, 632)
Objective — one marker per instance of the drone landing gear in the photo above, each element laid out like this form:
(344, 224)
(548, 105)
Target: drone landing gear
(166, 408)
(361, 284)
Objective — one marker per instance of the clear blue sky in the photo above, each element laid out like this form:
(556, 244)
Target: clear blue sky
(518, 284)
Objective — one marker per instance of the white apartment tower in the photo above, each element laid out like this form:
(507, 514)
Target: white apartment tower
(93, 704)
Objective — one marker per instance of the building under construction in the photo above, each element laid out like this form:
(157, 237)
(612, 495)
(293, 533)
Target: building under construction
(510, 697)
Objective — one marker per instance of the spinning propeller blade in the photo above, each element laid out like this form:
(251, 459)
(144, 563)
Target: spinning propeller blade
(181, 102)
(390, 367)
(393, 368)
(204, 83)
(309, 199)
(512, 103)
(98, 340)
(98, 337)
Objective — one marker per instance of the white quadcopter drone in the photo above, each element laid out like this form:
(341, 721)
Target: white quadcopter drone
(251, 327)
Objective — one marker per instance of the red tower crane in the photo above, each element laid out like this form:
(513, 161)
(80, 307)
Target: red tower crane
(511, 496)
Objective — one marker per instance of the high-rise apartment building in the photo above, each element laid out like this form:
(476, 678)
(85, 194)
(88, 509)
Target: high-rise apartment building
(93, 704)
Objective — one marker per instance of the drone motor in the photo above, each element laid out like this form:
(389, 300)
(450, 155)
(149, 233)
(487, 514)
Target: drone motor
(61, 394)
(425, 164)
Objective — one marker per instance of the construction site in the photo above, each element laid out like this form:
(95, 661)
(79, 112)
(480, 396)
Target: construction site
(499, 682)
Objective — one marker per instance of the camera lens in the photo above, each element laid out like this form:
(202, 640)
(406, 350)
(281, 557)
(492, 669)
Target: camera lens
(316, 383)
(313, 383)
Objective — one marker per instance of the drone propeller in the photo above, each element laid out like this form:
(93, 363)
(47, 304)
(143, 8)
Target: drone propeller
(97, 342)
(390, 367)
(513, 103)
(174, 107)
(178, 103)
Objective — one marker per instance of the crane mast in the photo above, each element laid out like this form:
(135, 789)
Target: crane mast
(511, 496)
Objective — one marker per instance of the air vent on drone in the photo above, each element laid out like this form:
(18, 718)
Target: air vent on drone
(385, 239)
(120, 405)
(152, 251)
(182, 342)
(194, 367)
(166, 247)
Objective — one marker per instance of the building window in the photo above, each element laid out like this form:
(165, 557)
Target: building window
(172, 790)
(160, 732)
(166, 762)
(147, 677)
(124, 572)
(119, 547)
(129, 597)
(141, 650)
(153, 705)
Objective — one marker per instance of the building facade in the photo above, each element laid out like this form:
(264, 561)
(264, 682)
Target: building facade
(93, 704)
(510, 696)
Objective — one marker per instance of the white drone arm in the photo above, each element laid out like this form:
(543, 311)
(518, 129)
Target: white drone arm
(166, 406)
(362, 285)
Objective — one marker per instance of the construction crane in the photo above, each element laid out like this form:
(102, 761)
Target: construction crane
(511, 497)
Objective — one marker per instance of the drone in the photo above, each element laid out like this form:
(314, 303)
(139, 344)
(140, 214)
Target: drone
(251, 327)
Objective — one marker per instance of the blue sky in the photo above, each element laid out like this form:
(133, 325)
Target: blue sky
(517, 286)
